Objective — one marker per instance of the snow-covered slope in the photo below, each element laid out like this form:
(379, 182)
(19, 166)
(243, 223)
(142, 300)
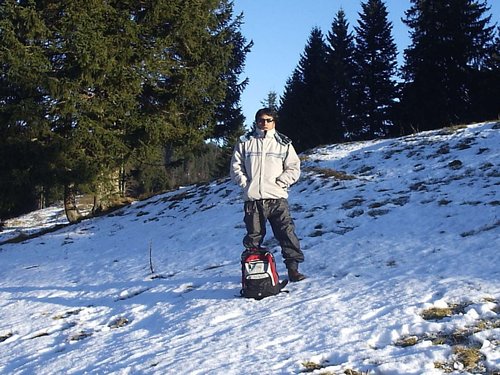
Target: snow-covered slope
(394, 232)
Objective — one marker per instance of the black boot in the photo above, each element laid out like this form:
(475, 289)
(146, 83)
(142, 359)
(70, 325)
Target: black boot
(294, 275)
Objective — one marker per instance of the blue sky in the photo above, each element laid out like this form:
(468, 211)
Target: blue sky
(280, 29)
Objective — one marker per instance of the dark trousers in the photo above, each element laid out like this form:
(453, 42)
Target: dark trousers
(257, 213)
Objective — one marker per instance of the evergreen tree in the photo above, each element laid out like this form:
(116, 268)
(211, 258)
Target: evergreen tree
(271, 101)
(92, 87)
(450, 40)
(290, 109)
(485, 85)
(59, 66)
(342, 69)
(376, 57)
(230, 119)
(304, 114)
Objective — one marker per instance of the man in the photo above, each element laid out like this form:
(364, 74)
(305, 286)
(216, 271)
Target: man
(264, 164)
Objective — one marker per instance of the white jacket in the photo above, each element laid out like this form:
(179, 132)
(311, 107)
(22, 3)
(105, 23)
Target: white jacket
(264, 165)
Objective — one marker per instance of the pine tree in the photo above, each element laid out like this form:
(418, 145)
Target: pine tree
(342, 69)
(376, 58)
(450, 40)
(304, 114)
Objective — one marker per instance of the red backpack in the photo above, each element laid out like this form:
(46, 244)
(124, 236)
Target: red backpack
(259, 275)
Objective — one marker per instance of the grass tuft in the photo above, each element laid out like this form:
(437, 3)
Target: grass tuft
(471, 358)
(327, 172)
(354, 372)
(310, 366)
(438, 313)
(118, 323)
(407, 341)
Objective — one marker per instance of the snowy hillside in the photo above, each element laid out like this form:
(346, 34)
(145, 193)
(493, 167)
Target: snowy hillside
(401, 239)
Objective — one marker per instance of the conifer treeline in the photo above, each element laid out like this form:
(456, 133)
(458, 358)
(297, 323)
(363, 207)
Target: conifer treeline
(347, 86)
(103, 96)
(114, 96)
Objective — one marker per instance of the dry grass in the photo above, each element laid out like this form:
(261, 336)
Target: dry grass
(469, 357)
(452, 129)
(327, 173)
(438, 313)
(310, 366)
(465, 348)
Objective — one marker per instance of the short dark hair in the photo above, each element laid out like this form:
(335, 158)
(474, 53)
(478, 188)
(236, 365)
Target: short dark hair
(266, 111)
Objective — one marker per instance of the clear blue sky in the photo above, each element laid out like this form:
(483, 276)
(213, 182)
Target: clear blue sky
(280, 29)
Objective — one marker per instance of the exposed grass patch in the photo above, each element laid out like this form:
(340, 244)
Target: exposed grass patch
(438, 313)
(378, 204)
(327, 173)
(343, 230)
(80, 336)
(355, 213)
(67, 314)
(460, 336)
(352, 203)
(379, 212)
(21, 237)
(443, 150)
(486, 166)
(455, 164)
(484, 228)
(465, 353)
(451, 129)
(400, 201)
(317, 233)
(444, 202)
(364, 170)
(118, 323)
(407, 341)
(470, 357)
(419, 186)
(310, 366)
(354, 372)
(465, 359)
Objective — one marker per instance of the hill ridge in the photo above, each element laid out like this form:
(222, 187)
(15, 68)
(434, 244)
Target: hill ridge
(401, 244)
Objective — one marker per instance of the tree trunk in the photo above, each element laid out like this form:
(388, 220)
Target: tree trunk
(97, 204)
(40, 197)
(70, 208)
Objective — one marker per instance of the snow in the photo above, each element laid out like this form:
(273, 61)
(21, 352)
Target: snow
(417, 227)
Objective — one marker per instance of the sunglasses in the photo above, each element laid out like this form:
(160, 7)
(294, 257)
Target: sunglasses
(265, 120)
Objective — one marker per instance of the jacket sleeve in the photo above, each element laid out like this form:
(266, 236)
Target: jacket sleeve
(291, 168)
(237, 170)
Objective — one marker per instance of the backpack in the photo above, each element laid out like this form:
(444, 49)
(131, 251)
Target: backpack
(259, 276)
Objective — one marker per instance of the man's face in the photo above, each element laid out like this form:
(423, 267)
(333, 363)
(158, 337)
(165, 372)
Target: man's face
(265, 122)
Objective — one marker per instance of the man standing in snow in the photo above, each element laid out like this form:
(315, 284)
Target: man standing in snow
(264, 164)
